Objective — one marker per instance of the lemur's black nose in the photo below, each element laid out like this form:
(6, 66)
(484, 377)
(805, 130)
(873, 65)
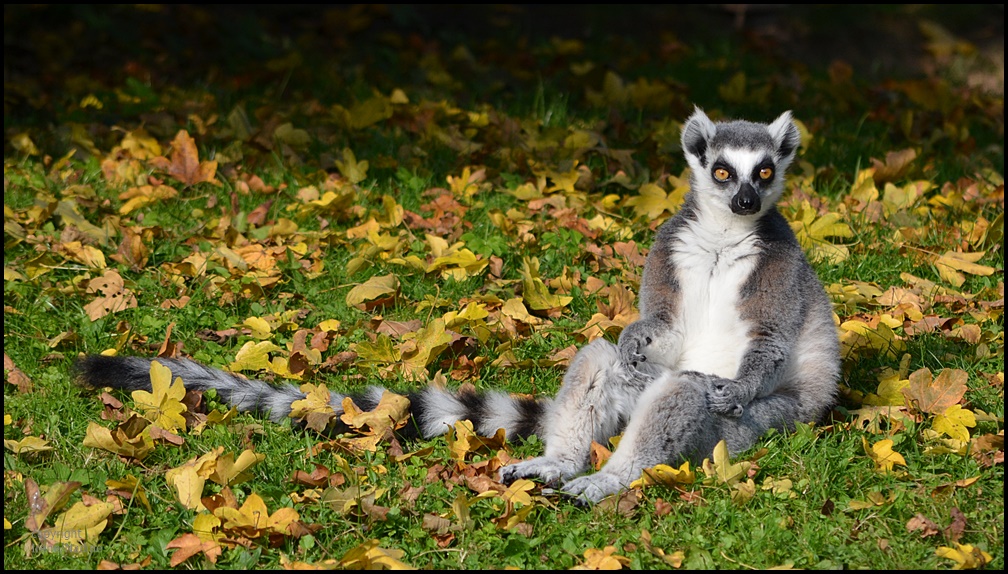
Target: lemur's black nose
(746, 201)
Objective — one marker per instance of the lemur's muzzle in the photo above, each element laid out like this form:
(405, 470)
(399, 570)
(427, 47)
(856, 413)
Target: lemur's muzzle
(746, 201)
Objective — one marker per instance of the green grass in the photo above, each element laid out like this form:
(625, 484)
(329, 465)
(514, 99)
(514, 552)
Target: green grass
(525, 97)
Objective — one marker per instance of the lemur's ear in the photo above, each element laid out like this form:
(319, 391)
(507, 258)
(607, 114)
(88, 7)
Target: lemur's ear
(785, 134)
(696, 132)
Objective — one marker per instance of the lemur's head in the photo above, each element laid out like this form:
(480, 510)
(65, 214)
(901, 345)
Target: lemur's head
(739, 165)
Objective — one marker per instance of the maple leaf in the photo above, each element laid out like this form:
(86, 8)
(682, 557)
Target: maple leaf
(954, 422)
(185, 165)
(391, 413)
(253, 356)
(814, 232)
(112, 295)
(189, 545)
(144, 195)
(422, 347)
(651, 201)
(253, 519)
(162, 405)
(722, 469)
(315, 409)
(353, 170)
(229, 471)
(188, 479)
(935, 396)
(605, 559)
(883, 454)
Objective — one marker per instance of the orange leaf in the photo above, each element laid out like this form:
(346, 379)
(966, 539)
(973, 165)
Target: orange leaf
(935, 396)
(185, 165)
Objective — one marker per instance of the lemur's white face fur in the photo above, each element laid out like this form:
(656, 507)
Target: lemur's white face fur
(738, 166)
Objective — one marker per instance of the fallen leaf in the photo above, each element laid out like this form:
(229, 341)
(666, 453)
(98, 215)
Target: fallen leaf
(162, 405)
(883, 455)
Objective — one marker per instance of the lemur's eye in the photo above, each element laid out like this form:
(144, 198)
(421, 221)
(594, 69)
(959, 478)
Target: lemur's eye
(765, 173)
(721, 174)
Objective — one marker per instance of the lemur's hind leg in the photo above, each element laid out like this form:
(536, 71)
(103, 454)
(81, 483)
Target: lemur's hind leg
(594, 403)
(672, 423)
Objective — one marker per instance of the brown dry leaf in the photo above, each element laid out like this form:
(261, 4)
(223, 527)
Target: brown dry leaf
(922, 523)
(111, 295)
(315, 409)
(935, 396)
(16, 376)
(391, 413)
(896, 165)
(185, 165)
(189, 545)
(41, 505)
(130, 439)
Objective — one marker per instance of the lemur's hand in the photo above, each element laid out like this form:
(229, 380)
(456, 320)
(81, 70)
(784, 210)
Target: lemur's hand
(633, 341)
(724, 397)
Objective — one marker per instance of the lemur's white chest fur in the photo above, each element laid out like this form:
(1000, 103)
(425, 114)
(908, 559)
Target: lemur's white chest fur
(713, 258)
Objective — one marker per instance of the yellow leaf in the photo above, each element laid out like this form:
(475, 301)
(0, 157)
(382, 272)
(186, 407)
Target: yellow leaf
(188, 480)
(27, 445)
(964, 555)
(952, 262)
(163, 404)
(144, 195)
(518, 492)
(605, 559)
(131, 439)
(370, 556)
(379, 289)
(353, 170)
(253, 356)
(229, 471)
(665, 475)
(78, 526)
(651, 201)
(422, 347)
(883, 455)
(722, 469)
(535, 293)
(259, 327)
(316, 408)
(391, 412)
(954, 421)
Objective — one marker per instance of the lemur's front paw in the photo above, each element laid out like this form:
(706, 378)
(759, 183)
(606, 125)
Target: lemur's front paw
(723, 399)
(632, 342)
(542, 469)
(589, 489)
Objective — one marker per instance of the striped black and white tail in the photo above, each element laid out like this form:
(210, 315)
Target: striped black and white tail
(433, 410)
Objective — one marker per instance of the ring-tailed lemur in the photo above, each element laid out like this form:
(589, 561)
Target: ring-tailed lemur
(735, 336)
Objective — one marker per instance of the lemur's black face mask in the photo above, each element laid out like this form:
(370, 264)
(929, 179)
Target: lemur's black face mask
(746, 201)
